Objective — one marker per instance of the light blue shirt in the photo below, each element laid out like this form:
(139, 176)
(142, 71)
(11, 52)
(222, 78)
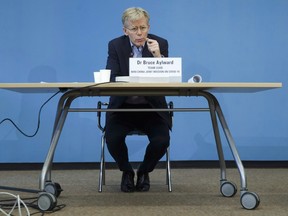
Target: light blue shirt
(137, 51)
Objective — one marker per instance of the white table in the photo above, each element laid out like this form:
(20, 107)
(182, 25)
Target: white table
(71, 91)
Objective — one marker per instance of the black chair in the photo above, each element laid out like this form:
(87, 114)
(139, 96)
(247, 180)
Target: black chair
(136, 132)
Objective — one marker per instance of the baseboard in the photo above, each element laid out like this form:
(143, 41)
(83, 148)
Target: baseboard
(161, 164)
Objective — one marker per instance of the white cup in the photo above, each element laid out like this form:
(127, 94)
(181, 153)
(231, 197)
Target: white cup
(105, 75)
(97, 77)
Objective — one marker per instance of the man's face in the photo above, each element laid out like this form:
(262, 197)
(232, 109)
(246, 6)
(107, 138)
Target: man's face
(137, 31)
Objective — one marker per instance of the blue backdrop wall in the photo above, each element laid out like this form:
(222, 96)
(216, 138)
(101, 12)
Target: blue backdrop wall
(224, 41)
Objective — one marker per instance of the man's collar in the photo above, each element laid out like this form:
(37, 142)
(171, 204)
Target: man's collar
(132, 45)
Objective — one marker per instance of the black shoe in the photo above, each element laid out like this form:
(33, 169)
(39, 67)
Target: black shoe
(127, 183)
(143, 182)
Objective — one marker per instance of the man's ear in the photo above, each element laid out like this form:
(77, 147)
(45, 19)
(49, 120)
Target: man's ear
(125, 31)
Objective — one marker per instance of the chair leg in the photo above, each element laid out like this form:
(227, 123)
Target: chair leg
(168, 170)
(102, 164)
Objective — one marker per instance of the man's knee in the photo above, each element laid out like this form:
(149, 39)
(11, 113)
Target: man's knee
(161, 141)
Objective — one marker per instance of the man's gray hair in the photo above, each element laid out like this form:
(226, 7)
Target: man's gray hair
(134, 13)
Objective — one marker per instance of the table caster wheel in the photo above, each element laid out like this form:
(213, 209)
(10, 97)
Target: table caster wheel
(228, 189)
(46, 201)
(249, 200)
(53, 188)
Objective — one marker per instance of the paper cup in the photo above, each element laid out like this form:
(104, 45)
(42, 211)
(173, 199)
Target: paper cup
(105, 75)
(97, 77)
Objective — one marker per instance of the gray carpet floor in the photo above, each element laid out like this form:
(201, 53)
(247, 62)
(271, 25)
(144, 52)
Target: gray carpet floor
(195, 192)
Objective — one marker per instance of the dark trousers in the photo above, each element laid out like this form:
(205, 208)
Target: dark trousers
(152, 124)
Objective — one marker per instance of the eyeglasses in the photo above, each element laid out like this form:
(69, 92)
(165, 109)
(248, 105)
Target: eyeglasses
(135, 29)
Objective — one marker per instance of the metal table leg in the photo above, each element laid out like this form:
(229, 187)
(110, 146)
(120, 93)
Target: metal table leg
(249, 200)
(61, 114)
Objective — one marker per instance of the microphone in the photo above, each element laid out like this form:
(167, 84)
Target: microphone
(131, 54)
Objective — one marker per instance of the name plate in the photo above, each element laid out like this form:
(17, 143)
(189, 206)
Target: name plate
(162, 70)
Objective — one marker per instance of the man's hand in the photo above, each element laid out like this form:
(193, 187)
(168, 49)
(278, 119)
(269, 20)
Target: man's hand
(153, 47)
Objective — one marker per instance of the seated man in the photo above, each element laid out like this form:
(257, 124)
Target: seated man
(136, 42)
